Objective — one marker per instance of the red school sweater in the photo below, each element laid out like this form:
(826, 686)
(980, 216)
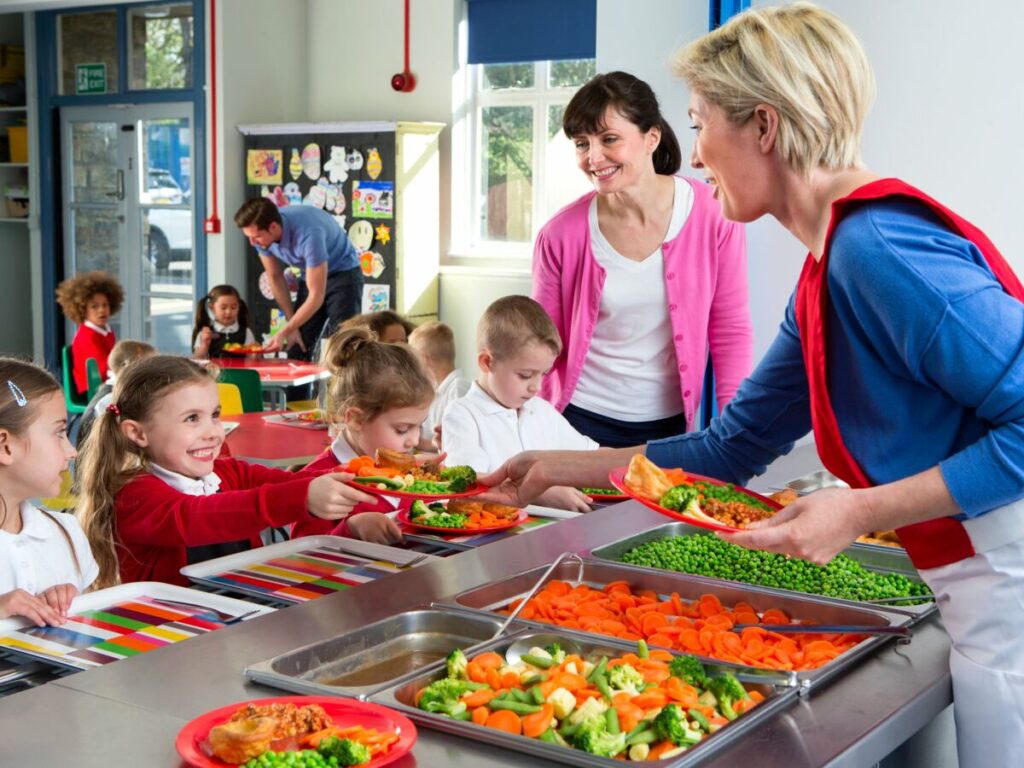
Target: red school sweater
(316, 526)
(87, 343)
(156, 524)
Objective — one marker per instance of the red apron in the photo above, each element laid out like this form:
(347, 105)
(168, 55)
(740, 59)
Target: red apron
(934, 542)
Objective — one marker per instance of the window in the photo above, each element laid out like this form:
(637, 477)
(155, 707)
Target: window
(522, 167)
(160, 48)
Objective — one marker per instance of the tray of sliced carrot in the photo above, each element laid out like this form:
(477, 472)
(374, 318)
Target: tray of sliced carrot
(690, 614)
(605, 702)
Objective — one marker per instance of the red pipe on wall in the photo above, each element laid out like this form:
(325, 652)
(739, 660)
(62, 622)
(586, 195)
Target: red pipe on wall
(211, 225)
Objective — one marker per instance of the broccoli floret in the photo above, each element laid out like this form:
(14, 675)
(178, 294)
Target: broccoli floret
(555, 651)
(594, 737)
(443, 696)
(345, 751)
(459, 478)
(682, 498)
(670, 724)
(624, 677)
(457, 663)
(689, 670)
(418, 509)
(727, 689)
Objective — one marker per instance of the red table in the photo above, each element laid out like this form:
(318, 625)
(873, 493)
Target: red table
(275, 374)
(276, 445)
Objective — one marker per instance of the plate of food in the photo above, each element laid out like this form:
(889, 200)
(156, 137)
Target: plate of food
(695, 499)
(397, 474)
(314, 419)
(602, 495)
(233, 348)
(461, 516)
(353, 732)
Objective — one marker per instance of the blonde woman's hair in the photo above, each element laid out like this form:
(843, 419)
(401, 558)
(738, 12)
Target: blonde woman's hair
(109, 460)
(372, 376)
(512, 322)
(435, 341)
(799, 59)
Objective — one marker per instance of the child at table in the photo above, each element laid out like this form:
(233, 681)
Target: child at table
(221, 318)
(89, 300)
(378, 397)
(386, 325)
(435, 344)
(155, 496)
(124, 352)
(501, 414)
(44, 557)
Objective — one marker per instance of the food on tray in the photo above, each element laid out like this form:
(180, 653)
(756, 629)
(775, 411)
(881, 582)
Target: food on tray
(600, 491)
(242, 348)
(396, 471)
(647, 479)
(314, 415)
(882, 538)
(706, 555)
(703, 626)
(238, 741)
(461, 513)
(784, 497)
(640, 706)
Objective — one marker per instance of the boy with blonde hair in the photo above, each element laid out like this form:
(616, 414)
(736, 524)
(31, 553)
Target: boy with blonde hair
(435, 344)
(501, 414)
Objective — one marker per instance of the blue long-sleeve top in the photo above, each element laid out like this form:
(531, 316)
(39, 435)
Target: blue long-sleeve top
(925, 356)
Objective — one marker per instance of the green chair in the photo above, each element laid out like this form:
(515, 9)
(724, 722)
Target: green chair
(248, 383)
(74, 402)
(92, 373)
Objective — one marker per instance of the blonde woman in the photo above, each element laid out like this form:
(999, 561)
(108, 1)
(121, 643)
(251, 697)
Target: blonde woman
(901, 349)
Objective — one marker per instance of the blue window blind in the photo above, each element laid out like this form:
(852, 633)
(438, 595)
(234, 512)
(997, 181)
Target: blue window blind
(720, 11)
(506, 31)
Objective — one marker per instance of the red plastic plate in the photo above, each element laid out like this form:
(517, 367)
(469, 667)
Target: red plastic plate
(403, 517)
(605, 497)
(194, 749)
(617, 479)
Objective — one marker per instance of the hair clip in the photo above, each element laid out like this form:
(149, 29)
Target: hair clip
(19, 396)
(114, 409)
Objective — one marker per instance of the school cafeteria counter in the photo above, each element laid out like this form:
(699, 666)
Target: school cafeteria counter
(129, 713)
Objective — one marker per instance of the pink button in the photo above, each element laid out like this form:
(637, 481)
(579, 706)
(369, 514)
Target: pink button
(672, 307)
(679, 337)
(670, 276)
(686, 393)
(684, 366)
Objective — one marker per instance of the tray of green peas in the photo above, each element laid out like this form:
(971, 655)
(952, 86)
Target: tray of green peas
(859, 574)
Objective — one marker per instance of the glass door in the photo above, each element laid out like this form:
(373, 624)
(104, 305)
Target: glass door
(129, 211)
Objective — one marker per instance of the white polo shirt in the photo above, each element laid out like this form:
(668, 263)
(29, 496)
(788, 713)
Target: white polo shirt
(481, 432)
(448, 391)
(38, 557)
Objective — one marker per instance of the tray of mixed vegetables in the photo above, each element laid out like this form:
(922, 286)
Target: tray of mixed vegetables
(609, 702)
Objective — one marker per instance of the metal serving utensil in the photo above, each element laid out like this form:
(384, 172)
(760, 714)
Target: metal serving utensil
(885, 600)
(830, 629)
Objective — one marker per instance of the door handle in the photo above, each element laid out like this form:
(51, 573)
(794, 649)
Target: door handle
(119, 193)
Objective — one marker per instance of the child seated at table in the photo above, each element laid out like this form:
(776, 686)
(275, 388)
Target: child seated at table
(501, 414)
(44, 557)
(435, 344)
(377, 397)
(155, 496)
(386, 325)
(89, 300)
(124, 352)
(221, 318)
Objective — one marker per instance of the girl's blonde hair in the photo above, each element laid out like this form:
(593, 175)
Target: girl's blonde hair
(372, 376)
(799, 59)
(109, 460)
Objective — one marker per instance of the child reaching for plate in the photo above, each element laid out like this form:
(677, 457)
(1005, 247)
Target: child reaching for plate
(378, 397)
(221, 318)
(89, 300)
(44, 557)
(501, 414)
(154, 496)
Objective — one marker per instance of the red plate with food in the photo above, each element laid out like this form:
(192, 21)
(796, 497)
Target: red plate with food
(243, 349)
(480, 517)
(234, 734)
(604, 495)
(403, 476)
(711, 504)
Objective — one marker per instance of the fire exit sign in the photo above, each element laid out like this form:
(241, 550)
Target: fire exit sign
(91, 78)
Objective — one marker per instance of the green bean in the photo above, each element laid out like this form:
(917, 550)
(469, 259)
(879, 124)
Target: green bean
(602, 665)
(537, 695)
(601, 683)
(646, 736)
(523, 697)
(514, 706)
(643, 725)
(569, 730)
(534, 679)
(611, 716)
(549, 736)
(538, 661)
(642, 650)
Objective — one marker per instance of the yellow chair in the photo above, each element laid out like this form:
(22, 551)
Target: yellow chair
(230, 399)
(65, 499)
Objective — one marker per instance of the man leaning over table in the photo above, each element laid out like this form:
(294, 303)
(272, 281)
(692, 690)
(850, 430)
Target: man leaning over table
(308, 238)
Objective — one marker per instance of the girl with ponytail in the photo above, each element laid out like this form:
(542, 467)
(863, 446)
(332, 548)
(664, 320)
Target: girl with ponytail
(221, 318)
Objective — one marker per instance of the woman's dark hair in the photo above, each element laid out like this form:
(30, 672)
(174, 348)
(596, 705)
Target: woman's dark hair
(634, 100)
(205, 306)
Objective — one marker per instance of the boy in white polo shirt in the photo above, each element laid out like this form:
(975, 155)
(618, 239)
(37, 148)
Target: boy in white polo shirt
(501, 414)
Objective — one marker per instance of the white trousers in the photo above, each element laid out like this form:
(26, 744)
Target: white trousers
(981, 600)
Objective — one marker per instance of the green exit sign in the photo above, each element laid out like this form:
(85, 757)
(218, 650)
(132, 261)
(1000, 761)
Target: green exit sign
(90, 78)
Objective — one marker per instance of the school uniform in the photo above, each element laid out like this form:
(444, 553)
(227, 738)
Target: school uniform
(226, 334)
(90, 341)
(38, 557)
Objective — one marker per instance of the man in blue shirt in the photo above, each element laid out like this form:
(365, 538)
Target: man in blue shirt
(307, 238)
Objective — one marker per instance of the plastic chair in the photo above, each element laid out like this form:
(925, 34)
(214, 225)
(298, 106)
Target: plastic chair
(64, 499)
(230, 399)
(248, 383)
(74, 402)
(92, 374)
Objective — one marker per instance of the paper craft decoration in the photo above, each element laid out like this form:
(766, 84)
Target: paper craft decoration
(373, 199)
(383, 233)
(263, 166)
(371, 264)
(311, 161)
(337, 166)
(292, 192)
(317, 196)
(360, 234)
(378, 266)
(376, 297)
(339, 200)
(277, 197)
(354, 160)
(295, 165)
(374, 165)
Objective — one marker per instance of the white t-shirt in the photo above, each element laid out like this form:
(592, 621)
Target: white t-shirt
(448, 391)
(478, 431)
(38, 557)
(630, 373)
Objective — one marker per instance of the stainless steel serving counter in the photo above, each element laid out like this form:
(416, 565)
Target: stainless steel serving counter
(129, 713)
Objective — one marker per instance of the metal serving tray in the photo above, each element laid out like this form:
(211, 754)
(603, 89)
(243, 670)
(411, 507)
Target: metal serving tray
(494, 596)
(401, 696)
(872, 557)
(373, 657)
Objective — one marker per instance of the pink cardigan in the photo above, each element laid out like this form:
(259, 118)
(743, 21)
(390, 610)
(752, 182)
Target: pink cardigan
(706, 279)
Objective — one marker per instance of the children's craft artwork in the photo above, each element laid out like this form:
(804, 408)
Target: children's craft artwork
(354, 160)
(337, 166)
(339, 200)
(371, 264)
(277, 197)
(292, 192)
(374, 165)
(317, 196)
(295, 165)
(311, 161)
(263, 166)
(340, 221)
(360, 234)
(383, 233)
(376, 297)
(291, 279)
(373, 199)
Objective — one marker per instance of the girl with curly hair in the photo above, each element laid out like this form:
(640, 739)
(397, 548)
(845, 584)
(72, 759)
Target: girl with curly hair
(89, 299)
